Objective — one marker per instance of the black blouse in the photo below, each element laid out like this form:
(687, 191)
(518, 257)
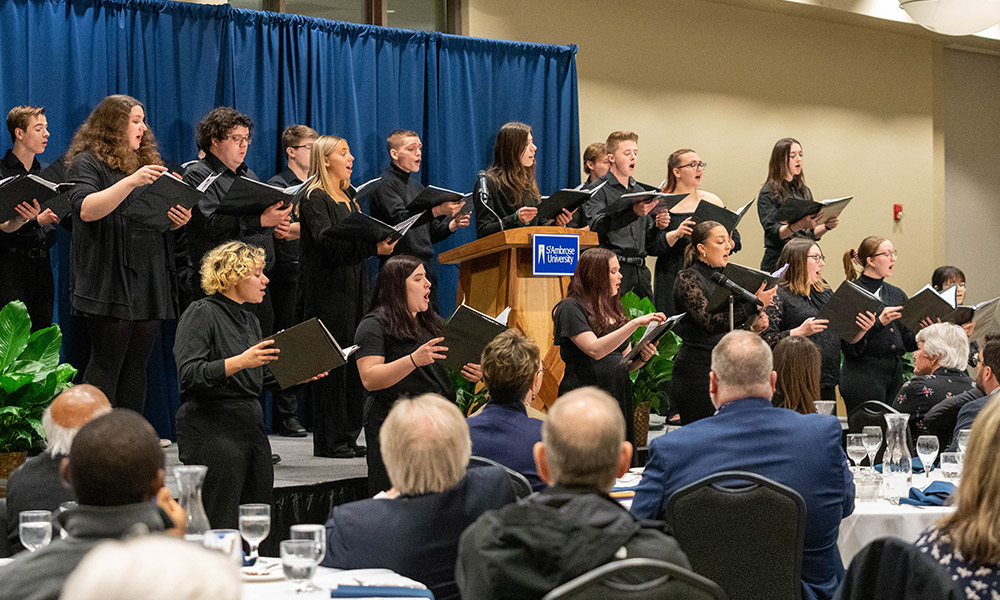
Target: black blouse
(788, 311)
(120, 267)
(373, 340)
(701, 330)
(767, 206)
(570, 319)
(882, 340)
(504, 205)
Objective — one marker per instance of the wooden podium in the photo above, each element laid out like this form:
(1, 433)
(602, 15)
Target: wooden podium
(496, 272)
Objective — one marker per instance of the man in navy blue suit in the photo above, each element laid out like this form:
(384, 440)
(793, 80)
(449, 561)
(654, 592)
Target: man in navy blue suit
(748, 434)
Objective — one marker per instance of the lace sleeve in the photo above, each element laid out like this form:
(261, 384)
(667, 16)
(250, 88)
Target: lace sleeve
(690, 293)
(775, 317)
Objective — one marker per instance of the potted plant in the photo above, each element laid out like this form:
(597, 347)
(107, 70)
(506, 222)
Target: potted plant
(30, 377)
(469, 397)
(647, 381)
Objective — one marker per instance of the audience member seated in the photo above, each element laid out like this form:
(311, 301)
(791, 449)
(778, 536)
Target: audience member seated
(749, 434)
(115, 468)
(503, 431)
(36, 485)
(797, 361)
(426, 448)
(938, 372)
(988, 380)
(153, 568)
(967, 541)
(525, 550)
(942, 418)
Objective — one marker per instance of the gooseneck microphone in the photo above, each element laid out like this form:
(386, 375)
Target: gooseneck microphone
(736, 289)
(484, 195)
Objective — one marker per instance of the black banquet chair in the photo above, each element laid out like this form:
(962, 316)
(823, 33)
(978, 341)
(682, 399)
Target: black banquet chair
(891, 569)
(638, 579)
(743, 531)
(521, 486)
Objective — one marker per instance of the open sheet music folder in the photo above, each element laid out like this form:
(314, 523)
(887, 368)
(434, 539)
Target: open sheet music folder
(467, 333)
(307, 349)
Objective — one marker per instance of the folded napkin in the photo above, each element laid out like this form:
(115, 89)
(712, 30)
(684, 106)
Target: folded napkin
(936, 494)
(379, 591)
(915, 466)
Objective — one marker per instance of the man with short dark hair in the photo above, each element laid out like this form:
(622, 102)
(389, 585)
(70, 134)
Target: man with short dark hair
(115, 468)
(525, 550)
(747, 433)
(988, 380)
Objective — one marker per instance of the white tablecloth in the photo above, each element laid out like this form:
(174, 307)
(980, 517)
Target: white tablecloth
(325, 578)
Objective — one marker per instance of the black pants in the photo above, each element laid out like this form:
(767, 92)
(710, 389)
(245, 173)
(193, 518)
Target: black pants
(227, 437)
(378, 477)
(636, 278)
(119, 353)
(284, 288)
(338, 406)
(28, 279)
(689, 387)
(870, 378)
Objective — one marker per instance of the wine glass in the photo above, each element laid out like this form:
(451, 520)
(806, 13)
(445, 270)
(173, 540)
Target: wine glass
(316, 533)
(63, 507)
(255, 525)
(856, 448)
(963, 439)
(35, 528)
(927, 450)
(872, 436)
(298, 560)
(951, 466)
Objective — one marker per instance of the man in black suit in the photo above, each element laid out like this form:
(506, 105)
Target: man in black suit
(414, 529)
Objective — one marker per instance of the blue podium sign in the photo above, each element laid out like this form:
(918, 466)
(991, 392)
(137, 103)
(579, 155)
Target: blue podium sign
(555, 254)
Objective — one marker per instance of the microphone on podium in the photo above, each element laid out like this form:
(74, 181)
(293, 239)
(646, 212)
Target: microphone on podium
(736, 289)
(484, 195)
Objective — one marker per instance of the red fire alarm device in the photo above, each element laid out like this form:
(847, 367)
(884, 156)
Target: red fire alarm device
(897, 212)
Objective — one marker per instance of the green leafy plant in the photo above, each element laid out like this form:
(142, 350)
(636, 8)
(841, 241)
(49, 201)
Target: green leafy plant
(648, 380)
(468, 398)
(30, 377)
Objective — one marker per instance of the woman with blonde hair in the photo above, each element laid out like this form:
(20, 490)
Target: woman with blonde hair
(967, 542)
(334, 288)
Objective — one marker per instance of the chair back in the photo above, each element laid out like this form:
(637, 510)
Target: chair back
(521, 485)
(638, 579)
(744, 532)
(891, 569)
(873, 412)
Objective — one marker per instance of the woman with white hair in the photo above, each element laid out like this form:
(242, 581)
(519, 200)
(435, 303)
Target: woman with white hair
(939, 372)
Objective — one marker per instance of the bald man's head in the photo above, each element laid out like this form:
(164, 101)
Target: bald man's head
(742, 366)
(583, 440)
(68, 412)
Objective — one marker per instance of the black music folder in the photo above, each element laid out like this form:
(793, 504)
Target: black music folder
(706, 211)
(24, 188)
(151, 205)
(653, 334)
(566, 198)
(366, 188)
(307, 349)
(928, 303)
(467, 333)
(793, 209)
(746, 277)
(250, 197)
(364, 228)
(664, 201)
(843, 307)
(963, 314)
(432, 196)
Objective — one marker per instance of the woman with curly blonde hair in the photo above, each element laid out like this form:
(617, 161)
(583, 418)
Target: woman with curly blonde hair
(220, 361)
(124, 283)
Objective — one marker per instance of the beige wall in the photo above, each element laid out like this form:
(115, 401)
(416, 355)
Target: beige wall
(729, 81)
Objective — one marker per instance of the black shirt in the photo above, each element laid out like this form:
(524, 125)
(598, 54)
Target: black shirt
(29, 235)
(287, 251)
(570, 319)
(618, 227)
(504, 204)
(788, 311)
(207, 229)
(374, 340)
(701, 330)
(389, 204)
(882, 340)
(767, 205)
(211, 330)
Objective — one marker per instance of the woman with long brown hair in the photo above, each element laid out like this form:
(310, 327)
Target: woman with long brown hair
(786, 179)
(512, 192)
(123, 273)
(593, 333)
(797, 362)
(334, 288)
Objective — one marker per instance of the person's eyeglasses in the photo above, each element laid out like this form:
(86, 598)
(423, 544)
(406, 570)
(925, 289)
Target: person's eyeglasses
(694, 165)
(816, 257)
(306, 146)
(892, 253)
(239, 140)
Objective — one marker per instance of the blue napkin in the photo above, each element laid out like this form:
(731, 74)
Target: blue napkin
(915, 466)
(379, 591)
(936, 494)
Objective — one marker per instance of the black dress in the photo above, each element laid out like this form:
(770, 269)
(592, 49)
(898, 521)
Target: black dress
(788, 311)
(373, 340)
(570, 319)
(767, 204)
(220, 423)
(700, 331)
(334, 288)
(873, 367)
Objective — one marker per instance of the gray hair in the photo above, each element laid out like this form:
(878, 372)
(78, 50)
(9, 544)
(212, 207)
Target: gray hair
(946, 342)
(742, 364)
(583, 435)
(155, 567)
(59, 438)
(425, 444)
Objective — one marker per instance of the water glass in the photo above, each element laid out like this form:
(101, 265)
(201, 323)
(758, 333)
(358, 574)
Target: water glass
(951, 466)
(255, 525)
(872, 436)
(299, 559)
(63, 507)
(35, 528)
(927, 450)
(963, 439)
(316, 533)
(866, 486)
(856, 448)
(825, 407)
(226, 541)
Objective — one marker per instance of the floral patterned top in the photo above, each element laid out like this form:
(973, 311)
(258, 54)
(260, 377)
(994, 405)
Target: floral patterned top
(977, 582)
(920, 394)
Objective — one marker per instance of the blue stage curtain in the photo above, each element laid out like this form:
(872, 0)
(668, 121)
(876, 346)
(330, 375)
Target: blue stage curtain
(356, 81)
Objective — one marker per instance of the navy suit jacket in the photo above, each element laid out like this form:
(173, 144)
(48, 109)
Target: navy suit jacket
(800, 451)
(967, 416)
(415, 536)
(507, 435)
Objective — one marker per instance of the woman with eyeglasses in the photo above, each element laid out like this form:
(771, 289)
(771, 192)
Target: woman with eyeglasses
(785, 179)
(684, 172)
(943, 278)
(802, 293)
(873, 363)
